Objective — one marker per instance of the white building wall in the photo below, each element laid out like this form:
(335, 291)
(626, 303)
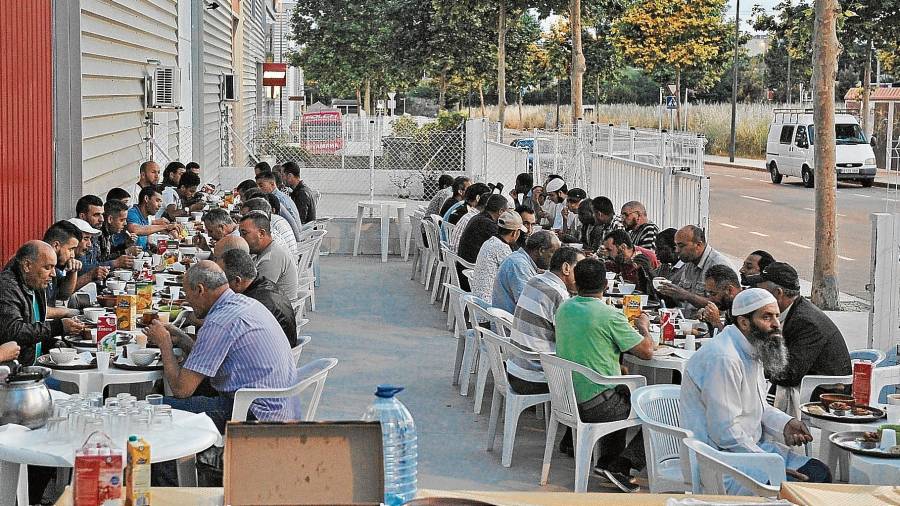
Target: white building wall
(254, 54)
(117, 39)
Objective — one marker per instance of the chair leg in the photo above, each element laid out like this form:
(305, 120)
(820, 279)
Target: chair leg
(481, 376)
(359, 220)
(548, 449)
(584, 450)
(469, 357)
(512, 410)
(460, 354)
(437, 286)
(492, 422)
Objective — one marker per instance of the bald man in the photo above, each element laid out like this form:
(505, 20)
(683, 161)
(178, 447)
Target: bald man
(688, 287)
(228, 243)
(23, 303)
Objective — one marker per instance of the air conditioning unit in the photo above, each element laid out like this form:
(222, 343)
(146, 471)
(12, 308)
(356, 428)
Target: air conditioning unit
(163, 88)
(227, 88)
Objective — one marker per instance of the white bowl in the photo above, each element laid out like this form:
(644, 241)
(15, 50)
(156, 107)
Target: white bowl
(189, 250)
(123, 275)
(115, 285)
(143, 357)
(658, 282)
(626, 288)
(610, 275)
(94, 313)
(62, 356)
(687, 325)
(182, 219)
(203, 255)
(197, 215)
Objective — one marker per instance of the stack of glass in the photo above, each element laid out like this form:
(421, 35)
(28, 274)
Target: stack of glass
(76, 418)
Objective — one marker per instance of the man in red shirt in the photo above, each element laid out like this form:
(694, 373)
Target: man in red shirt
(634, 264)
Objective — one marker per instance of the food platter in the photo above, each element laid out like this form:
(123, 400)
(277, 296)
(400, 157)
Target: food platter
(873, 415)
(848, 441)
(78, 364)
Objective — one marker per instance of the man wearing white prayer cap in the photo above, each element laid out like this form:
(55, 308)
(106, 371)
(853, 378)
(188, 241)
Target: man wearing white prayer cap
(557, 192)
(723, 396)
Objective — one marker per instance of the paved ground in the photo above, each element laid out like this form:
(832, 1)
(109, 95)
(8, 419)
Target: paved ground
(381, 327)
(748, 212)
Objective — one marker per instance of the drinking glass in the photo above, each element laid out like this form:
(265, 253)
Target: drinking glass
(154, 399)
(58, 428)
(162, 417)
(95, 399)
(91, 425)
(139, 422)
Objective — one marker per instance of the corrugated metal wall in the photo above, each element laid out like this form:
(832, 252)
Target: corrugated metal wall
(26, 123)
(117, 39)
(253, 13)
(216, 58)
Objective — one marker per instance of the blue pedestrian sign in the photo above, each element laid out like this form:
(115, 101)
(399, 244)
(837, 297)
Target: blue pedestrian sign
(671, 102)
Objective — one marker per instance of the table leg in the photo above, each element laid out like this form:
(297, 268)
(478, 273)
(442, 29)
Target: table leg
(9, 484)
(359, 219)
(828, 453)
(385, 231)
(187, 471)
(404, 238)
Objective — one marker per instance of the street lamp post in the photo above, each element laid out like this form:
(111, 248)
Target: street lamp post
(734, 84)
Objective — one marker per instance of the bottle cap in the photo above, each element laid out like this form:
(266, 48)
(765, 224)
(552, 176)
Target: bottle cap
(387, 391)
(132, 438)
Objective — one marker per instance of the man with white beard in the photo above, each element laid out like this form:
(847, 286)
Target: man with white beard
(723, 397)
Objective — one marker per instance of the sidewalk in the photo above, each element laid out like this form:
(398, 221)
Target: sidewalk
(883, 179)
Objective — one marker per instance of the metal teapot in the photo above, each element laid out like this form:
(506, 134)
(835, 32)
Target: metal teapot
(24, 398)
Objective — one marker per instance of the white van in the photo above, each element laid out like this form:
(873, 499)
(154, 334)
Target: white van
(789, 149)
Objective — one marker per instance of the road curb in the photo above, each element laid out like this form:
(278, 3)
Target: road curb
(877, 184)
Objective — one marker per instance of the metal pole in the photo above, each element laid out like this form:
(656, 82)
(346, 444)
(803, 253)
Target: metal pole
(371, 160)
(734, 85)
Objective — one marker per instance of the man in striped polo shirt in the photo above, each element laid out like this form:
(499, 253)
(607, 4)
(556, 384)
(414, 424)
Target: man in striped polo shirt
(240, 345)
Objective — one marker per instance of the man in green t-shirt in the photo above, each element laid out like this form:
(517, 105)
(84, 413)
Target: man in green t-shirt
(595, 335)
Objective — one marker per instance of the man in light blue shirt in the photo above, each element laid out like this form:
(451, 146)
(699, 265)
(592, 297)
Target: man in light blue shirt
(520, 266)
(266, 182)
(240, 345)
(723, 396)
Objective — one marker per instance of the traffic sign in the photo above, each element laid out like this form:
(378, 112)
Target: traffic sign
(671, 102)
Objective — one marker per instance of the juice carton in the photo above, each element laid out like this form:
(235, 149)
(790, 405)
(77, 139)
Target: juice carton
(137, 473)
(126, 311)
(631, 306)
(97, 476)
(161, 246)
(144, 292)
(106, 324)
(862, 381)
(667, 326)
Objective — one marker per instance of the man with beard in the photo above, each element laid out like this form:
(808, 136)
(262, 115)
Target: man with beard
(814, 343)
(723, 391)
(633, 264)
(722, 286)
(754, 264)
(522, 265)
(605, 221)
(640, 228)
(665, 253)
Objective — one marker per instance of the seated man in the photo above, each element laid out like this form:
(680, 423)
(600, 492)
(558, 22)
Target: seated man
(179, 200)
(272, 260)
(665, 253)
(492, 254)
(281, 229)
(115, 214)
(266, 182)
(722, 286)
(457, 197)
(754, 264)
(444, 192)
(723, 390)
(605, 221)
(472, 204)
(521, 266)
(23, 304)
(302, 195)
(141, 217)
(218, 224)
(591, 333)
(640, 228)
(572, 226)
(98, 272)
(633, 264)
(688, 286)
(65, 239)
(243, 279)
(814, 343)
(240, 345)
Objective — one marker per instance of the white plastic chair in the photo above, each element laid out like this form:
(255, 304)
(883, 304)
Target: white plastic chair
(498, 350)
(564, 410)
(419, 249)
(501, 323)
(809, 383)
(309, 252)
(870, 354)
(314, 373)
(449, 261)
(432, 253)
(296, 350)
(475, 310)
(883, 377)
(668, 464)
(710, 466)
(460, 332)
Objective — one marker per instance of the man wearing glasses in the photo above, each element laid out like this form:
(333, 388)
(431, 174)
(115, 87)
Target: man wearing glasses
(639, 228)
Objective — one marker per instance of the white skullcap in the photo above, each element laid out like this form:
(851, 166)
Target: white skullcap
(555, 184)
(750, 300)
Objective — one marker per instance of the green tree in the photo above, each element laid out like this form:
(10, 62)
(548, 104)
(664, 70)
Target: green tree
(678, 35)
(787, 61)
(525, 56)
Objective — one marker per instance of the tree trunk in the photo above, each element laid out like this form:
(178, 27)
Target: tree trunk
(825, 56)
(481, 99)
(866, 84)
(788, 94)
(597, 102)
(578, 63)
(501, 67)
(521, 97)
(368, 98)
(442, 90)
(677, 99)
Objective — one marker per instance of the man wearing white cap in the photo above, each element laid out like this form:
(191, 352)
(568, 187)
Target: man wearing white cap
(557, 192)
(493, 252)
(88, 274)
(723, 397)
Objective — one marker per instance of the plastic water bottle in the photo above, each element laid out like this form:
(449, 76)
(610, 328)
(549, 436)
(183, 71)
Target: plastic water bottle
(399, 440)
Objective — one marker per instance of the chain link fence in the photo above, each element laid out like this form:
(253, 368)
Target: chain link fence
(399, 157)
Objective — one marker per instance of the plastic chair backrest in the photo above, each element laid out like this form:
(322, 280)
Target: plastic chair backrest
(415, 225)
(502, 320)
(562, 391)
(809, 383)
(713, 465)
(297, 350)
(434, 244)
(658, 408)
(313, 373)
(478, 314)
(495, 357)
(883, 377)
(872, 355)
(458, 306)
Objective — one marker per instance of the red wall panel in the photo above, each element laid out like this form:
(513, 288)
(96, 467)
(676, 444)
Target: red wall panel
(26, 123)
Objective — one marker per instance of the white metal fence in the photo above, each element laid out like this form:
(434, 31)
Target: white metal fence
(884, 317)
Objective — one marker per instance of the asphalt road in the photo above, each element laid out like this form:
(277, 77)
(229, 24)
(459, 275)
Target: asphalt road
(748, 212)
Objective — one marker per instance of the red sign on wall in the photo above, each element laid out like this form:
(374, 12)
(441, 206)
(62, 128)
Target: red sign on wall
(274, 74)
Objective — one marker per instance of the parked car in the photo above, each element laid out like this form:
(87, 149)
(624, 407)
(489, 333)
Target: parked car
(789, 148)
(526, 143)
